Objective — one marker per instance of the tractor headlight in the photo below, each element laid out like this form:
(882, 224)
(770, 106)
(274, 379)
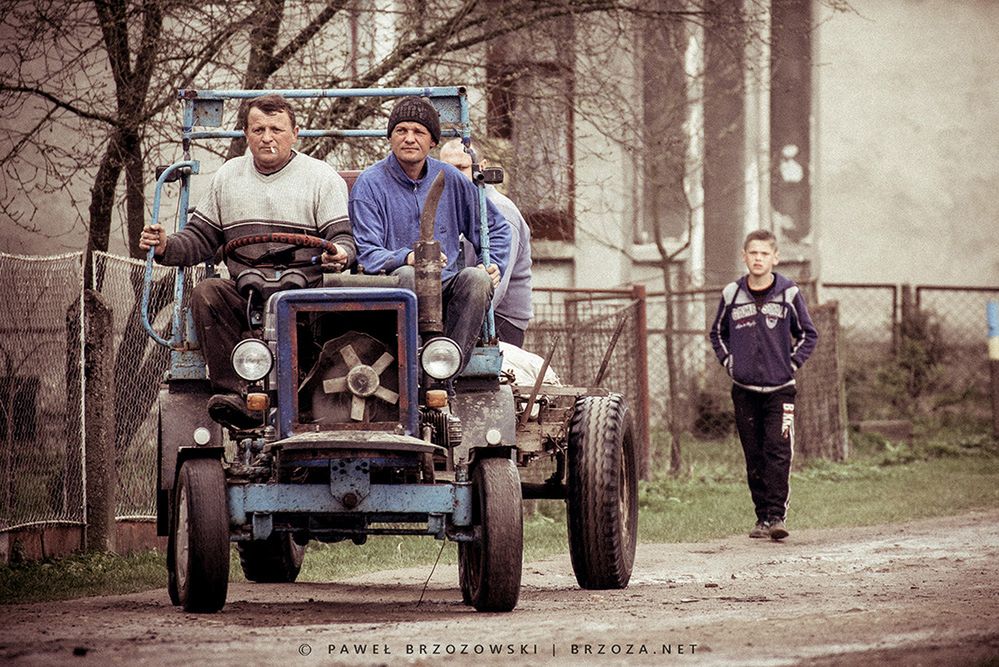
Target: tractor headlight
(252, 360)
(441, 358)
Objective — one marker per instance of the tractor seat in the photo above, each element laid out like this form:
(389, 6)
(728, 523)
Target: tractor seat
(350, 175)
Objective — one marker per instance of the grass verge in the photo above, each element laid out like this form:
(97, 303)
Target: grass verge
(945, 472)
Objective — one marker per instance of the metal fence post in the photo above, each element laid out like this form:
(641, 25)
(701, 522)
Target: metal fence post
(895, 320)
(910, 309)
(642, 379)
(992, 317)
(101, 470)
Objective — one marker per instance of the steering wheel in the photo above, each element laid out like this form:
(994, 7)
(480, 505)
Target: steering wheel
(300, 240)
(296, 241)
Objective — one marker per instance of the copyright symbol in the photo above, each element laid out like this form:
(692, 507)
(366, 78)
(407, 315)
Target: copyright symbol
(304, 649)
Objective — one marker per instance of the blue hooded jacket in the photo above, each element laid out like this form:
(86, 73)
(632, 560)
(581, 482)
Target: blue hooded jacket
(385, 207)
(762, 347)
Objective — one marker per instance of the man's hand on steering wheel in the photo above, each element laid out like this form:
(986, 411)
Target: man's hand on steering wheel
(336, 261)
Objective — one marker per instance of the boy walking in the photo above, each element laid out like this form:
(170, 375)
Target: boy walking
(762, 334)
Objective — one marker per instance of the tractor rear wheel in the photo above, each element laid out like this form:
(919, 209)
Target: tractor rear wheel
(602, 493)
(278, 559)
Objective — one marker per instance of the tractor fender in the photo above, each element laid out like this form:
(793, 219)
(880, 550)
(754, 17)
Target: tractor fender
(482, 407)
(182, 410)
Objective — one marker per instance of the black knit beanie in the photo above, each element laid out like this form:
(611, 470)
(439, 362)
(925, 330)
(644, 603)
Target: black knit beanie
(416, 110)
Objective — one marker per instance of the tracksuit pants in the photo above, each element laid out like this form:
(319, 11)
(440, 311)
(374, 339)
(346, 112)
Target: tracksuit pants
(765, 422)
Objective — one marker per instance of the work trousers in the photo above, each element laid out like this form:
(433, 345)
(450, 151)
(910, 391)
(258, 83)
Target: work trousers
(765, 422)
(220, 322)
(508, 332)
(465, 296)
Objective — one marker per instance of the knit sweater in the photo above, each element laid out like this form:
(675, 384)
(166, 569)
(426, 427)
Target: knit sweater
(385, 207)
(306, 196)
(761, 347)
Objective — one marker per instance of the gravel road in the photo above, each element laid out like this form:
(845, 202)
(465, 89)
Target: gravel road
(918, 593)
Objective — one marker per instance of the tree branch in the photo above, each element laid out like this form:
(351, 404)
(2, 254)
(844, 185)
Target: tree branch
(61, 104)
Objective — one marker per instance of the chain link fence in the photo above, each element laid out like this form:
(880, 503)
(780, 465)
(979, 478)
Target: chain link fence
(41, 390)
(583, 327)
(697, 396)
(899, 350)
(868, 335)
(139, 364)
(949, 324)
(913, 351)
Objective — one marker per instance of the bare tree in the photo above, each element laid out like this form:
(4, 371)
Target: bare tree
(94, 74)
(92, 83)
(104, 74)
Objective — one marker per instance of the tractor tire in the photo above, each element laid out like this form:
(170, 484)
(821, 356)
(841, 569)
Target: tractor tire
(490, 568)
(276, 560)
(200, 536)
(171, 558)
(602, 492)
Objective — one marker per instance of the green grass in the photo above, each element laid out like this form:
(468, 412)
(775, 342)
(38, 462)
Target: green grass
(80, 576)
(948, 470)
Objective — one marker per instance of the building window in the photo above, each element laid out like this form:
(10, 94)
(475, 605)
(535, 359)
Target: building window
(664, 108)
(529, 103)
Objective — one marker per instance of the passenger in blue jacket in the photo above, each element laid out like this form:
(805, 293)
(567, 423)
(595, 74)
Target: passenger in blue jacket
(762, 334)
(385, 205)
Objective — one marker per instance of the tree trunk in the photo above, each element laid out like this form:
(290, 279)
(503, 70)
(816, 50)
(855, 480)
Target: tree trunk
(135, 200)
(102, 197)
(263, 42)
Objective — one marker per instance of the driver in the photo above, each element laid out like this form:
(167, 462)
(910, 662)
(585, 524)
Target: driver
(274, 189)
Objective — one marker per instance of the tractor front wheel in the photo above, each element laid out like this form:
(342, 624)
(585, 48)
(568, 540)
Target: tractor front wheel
(200, 537)
(490, 567)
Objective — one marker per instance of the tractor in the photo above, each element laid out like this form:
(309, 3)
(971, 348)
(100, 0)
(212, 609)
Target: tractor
(369, 428)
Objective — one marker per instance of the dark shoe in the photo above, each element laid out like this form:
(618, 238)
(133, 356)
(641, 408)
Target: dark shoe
(778, 531)
(761, 529)
(230, 410)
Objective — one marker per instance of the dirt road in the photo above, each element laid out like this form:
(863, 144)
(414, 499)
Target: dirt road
(919, 593)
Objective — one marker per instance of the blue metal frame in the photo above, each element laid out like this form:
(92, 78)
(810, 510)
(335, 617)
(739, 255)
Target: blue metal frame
(286, 305)
(204, 108)
(257, 503)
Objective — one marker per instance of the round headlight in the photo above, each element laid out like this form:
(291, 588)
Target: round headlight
(441, 358)
(252, 360)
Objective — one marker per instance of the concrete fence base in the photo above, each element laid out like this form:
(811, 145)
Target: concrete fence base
(38, 542)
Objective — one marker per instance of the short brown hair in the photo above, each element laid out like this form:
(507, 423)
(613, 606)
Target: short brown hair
(269, 104)
(760, 235)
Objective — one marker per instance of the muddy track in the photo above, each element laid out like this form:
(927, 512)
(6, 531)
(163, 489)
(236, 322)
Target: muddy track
(919, 593)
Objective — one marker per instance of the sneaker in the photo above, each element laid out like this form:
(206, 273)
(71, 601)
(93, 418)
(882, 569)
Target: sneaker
(761, 529)
(230, 410)
(778, 531)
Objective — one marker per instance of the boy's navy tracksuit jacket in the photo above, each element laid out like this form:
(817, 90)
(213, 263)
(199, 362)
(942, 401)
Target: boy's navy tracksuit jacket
(762, 347)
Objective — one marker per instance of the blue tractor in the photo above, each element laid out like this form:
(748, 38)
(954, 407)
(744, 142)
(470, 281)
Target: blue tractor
(361, 436)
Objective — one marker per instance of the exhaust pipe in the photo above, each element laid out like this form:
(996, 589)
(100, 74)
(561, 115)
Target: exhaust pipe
(426, 258)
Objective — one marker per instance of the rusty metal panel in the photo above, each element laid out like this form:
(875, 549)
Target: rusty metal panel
(480, 411)
(207, 113)
(183, 409)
